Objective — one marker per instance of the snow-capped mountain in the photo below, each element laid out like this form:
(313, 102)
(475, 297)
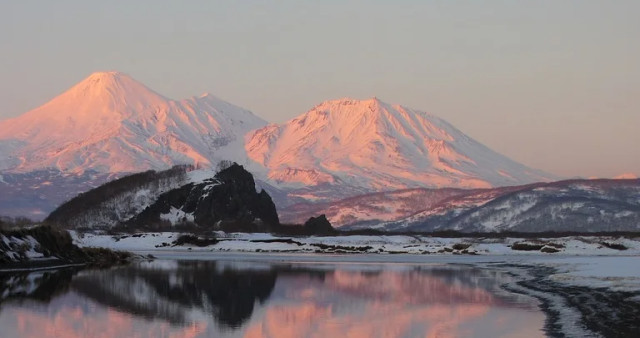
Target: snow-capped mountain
(370, 145)
(109, 122)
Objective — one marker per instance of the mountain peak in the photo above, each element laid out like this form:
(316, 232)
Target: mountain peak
(110, 122)
(112, 85)
(348, 108)
(107, 74)
(375, 146)
(627, 176)
(347, 101)
(107, 79)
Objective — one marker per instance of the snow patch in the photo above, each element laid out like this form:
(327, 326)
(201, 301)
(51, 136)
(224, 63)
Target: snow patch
(177, 216)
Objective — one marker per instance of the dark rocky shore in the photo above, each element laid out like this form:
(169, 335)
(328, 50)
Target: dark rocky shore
(46, 247)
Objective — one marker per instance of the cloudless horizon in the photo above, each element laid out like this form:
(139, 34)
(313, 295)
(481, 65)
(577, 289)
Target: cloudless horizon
(554, 85)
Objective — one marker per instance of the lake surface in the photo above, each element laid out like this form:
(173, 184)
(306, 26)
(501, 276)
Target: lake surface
(245, 297)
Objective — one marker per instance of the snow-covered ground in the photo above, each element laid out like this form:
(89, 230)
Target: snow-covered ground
(616, 273)
(262, 242)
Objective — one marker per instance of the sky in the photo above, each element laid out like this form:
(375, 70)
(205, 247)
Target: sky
(552, 84)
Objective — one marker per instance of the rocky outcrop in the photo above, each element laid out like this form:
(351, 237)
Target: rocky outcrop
(228, 201)
(319, 225)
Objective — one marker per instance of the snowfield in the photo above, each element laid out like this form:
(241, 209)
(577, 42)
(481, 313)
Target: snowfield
(616, 273)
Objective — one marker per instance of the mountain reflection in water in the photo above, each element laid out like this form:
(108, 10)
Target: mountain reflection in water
(168, 298)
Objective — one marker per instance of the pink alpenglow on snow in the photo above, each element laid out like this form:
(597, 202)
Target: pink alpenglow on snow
(627, 176)
(109, 122)
(379, 146)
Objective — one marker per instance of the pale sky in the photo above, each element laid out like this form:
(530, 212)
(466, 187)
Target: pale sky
(552, 84)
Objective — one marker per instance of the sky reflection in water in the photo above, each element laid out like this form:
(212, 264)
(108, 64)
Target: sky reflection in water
(225, 299)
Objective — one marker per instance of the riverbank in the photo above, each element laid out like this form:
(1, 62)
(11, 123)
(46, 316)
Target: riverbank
(359, 244)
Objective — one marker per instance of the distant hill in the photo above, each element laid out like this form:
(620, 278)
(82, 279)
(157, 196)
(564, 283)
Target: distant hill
(564, 206)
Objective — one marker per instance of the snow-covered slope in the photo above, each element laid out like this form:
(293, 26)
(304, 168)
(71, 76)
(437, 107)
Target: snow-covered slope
(573, 206)
(121, 199)
(376, 146)
(111, 123)
(580, 205)
(394, 210)
(370, 209)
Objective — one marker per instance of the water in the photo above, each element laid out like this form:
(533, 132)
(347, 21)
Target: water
(245, 297)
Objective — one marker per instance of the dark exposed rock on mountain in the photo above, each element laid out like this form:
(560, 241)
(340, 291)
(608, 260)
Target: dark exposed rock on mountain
(229, 201)
(319, 225)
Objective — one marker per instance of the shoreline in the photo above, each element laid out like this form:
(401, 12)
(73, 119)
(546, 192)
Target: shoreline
(29, 266)
(369, 244)
(579, 310)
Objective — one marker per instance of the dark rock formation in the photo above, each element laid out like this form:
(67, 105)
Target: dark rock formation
(318, 225)
(229, 201)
